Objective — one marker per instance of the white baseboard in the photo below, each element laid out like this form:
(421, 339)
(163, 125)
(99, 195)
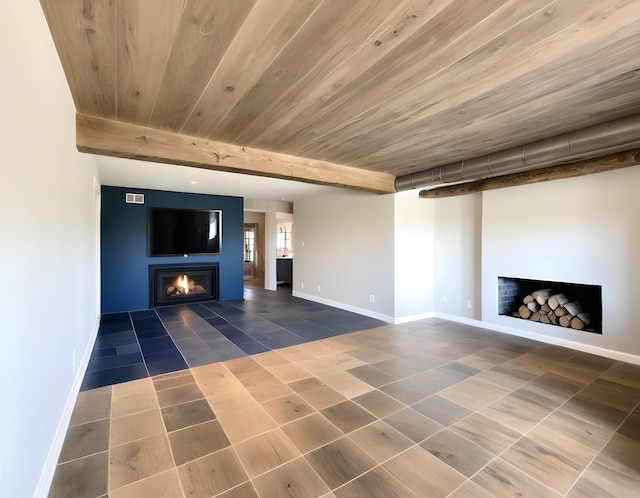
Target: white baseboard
(342, 306)
(556, 341)
(49, 469)
(364, 311)
(413, 318)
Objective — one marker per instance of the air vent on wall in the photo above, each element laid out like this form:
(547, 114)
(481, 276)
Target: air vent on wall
(134, 198)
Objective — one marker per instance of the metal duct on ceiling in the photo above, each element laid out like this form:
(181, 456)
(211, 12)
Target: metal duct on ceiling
(599, 140)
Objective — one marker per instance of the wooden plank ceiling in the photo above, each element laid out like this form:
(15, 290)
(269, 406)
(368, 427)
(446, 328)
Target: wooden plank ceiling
(341, 92)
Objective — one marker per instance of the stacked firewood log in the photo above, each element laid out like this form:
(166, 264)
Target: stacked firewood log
(546, 307)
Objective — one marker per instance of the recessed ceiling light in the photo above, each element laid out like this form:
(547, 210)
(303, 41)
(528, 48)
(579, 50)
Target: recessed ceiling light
(193, 182)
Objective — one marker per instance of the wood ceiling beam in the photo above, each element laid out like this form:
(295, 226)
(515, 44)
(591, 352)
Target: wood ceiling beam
(571, 170)
(113, 138)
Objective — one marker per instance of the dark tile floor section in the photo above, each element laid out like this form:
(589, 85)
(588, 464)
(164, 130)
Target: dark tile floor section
(139, 344)
(158, 349)
(116, 355)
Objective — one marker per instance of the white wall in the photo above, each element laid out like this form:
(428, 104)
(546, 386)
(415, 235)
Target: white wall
(345, 244)
(582, 230)
(48, 253)
(458, 236)
(270, 210)
(414, 256)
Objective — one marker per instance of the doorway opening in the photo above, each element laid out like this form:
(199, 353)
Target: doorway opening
(250, 251)
(254, 249)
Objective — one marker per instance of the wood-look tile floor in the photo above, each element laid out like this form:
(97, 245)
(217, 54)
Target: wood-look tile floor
(431, 408)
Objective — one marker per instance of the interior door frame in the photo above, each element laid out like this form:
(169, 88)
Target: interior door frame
(256, 249)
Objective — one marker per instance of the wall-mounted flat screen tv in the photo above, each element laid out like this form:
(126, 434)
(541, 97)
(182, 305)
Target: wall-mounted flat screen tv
(174, 232)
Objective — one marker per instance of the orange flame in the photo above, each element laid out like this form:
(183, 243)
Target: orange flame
(184, 283)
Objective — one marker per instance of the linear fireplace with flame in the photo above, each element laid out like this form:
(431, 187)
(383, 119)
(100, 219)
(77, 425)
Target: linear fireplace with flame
(186, 283)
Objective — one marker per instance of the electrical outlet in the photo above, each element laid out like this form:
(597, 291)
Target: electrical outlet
(318, 287)
(468, 304)
(372, 298)
(302, 285)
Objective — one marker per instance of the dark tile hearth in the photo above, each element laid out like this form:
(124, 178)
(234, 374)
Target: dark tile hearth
(138, 344)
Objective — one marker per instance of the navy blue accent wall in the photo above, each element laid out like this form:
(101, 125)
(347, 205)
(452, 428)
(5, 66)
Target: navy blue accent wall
(125, 254)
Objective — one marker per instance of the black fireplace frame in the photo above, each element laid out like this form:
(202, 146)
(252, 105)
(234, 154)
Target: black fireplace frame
(155, 270)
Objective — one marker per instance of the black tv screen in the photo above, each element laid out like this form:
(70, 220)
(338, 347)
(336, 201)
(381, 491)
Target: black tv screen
(184, 231)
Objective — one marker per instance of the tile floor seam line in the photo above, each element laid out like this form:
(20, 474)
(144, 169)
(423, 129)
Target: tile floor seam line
(593, 459)
(260, 342)
(188, 426)
(533, 478)
(613, 433)
(304, 340)
(417, 445)
(493, 459)
(467, 480)
(315, 472)
(378, 465)
(168, 328)
(322, 445)
(244, 468)
(501, 397)
(199, 458)
(282, 464)
(477, 412)
(250, 481)
(302, 418)
(88, 421)
(473, 410)
(81, 457)
(522, 435)
(135, 333)
(155, 311)
(183, 402)
(200, 387)
(187, 373)
(573, 396)
(111, 419)
(600, 377)
(165, 433)
(404, 407)
(392, 382)
(413, 445)
(144, 360)
(255, 435)
(133, 483)
(175, 467)
(525, 434)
